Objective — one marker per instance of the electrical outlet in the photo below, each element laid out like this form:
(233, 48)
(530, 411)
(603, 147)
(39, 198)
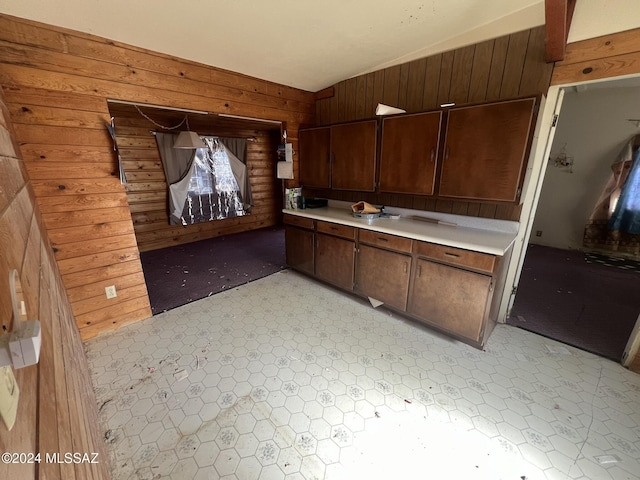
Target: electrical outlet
(9, 393)
(110, 291)
(538, 233)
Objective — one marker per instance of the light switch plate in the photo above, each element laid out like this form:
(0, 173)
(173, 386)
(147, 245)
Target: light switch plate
(9, 393)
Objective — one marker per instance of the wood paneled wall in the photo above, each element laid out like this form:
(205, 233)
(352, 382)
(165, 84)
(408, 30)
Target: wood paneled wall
(147, 186)
(56, 83)
(504, 68)
(57, 408)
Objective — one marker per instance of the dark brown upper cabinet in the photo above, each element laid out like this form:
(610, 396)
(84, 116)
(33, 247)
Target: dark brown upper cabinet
(353, 156)
(409, 155)
(315, 162)
(485, 150)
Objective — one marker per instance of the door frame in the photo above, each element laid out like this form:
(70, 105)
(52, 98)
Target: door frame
(542, 143)
(538, 159)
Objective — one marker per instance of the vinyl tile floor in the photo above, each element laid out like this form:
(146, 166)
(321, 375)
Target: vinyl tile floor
(286, 378)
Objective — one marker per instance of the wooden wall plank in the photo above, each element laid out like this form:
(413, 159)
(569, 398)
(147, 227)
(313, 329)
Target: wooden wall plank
(43, 410)
(497, 69)
(480, 71)
(444, 85)
(391, 86)
(378, 88)
(627, 64)
(403, 86)
(361, 98)
(341, 94)
(605, 46)
(350, 86)
(496, 73)
(514, 62)
(87, 247)
(415, 85)
(369, 103)
(432, 83)
(461, 74)
(536, 74)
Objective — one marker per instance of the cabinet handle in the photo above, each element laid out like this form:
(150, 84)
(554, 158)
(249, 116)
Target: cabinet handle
(454, 255)
(419, 270)
(382, 239)
(446, 153)
(333, 228)
(404, 267)
(433, 154)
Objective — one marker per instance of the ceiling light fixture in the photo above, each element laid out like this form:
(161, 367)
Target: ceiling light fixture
(383, 109)
(187, 139)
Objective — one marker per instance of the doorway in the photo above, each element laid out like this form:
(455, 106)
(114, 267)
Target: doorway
(186, 261)
(562, 293)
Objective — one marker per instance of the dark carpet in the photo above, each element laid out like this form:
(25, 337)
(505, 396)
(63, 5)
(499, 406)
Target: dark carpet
(185, 273)
(591, 306)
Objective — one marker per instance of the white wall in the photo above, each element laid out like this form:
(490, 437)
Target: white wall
(593, 125)
(594, 18)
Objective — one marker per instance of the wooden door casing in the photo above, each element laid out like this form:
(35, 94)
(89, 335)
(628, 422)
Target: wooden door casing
(409, 155)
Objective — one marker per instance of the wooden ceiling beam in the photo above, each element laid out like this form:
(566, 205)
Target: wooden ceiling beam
(558, 15)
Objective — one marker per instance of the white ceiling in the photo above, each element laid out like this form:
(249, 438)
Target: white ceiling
(308, 44)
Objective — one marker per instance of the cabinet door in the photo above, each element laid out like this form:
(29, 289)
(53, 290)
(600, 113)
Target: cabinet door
(299, 249)
(486, 150)
(353, 156)
(334, 260)
(383, 275)
(409, 153)
(314, 157)
(451, 298)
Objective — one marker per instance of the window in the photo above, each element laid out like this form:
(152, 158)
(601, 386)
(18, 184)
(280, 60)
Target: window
(213, 192)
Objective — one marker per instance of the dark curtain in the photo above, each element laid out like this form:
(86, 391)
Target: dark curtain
(177, 162)
(238, 147)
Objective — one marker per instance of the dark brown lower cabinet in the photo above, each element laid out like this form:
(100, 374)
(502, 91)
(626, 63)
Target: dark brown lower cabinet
(299, 248)
(335, 258)
(451, 298)
(383, 275)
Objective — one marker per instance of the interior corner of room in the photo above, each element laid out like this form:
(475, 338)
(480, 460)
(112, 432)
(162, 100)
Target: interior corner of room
(85, 216)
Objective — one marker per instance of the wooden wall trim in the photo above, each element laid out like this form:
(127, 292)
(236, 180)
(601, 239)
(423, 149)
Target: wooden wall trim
(498, 69)
(56, 84)
(598, 58)
(558, 15)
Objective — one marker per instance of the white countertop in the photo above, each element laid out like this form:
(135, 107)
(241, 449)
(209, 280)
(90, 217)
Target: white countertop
(495, 241)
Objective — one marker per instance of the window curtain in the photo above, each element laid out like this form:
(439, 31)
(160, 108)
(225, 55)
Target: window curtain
(177, 162)
(615, 223)
(237, 152)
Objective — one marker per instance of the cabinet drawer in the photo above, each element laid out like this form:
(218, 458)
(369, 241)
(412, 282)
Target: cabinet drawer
(456, 256)
(301, 222)
(385, 240)
(336, 229)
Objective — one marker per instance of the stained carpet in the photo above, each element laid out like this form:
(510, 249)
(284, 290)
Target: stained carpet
(589, 305)
(181, 274)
